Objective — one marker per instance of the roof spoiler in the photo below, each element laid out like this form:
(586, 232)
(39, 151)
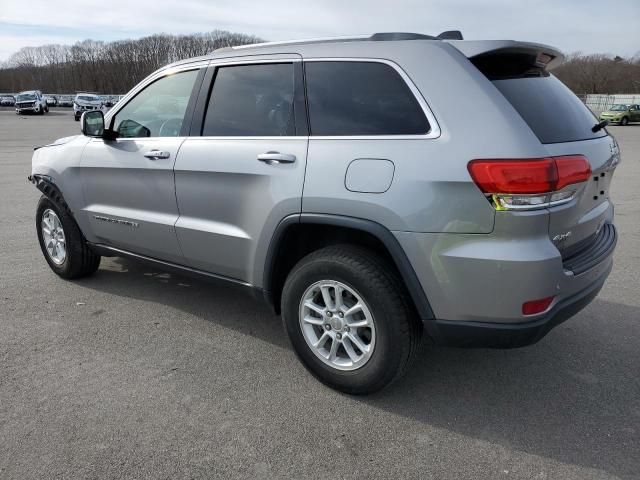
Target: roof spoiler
(538, 55)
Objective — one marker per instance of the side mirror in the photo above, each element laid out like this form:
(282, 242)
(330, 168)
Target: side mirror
(92, 123)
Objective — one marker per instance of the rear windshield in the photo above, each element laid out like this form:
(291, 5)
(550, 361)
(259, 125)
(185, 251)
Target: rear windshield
(550, 109)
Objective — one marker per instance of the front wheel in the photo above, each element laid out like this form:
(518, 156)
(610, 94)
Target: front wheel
(624, 122)
(62, 243)
(349, 319)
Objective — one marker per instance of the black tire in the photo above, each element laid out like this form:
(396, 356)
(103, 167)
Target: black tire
(80, 260)
(398, 328)
(40, 110)
(76, 118)
(624, 122)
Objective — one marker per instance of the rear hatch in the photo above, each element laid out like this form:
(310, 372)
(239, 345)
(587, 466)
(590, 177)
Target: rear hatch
(564, 125)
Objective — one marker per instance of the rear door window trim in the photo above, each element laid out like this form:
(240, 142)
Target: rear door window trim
(434, 131)
(202, 103)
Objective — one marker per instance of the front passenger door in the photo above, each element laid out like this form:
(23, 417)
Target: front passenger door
(128, 183)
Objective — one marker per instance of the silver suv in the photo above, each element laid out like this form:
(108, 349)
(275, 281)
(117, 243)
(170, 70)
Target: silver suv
(367, 188)
(31, 101)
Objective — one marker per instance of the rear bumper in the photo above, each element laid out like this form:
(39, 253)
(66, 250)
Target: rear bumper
(511, 335)
(477, 284)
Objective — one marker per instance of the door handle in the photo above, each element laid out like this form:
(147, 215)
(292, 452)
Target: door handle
(276, 157)
(156, 154)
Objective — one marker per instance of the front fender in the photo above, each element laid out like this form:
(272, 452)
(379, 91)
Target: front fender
(55, 171)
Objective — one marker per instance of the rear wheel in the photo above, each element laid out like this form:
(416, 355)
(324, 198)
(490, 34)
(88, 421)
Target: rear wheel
(624, 121)
(62, 244)
(349, 320)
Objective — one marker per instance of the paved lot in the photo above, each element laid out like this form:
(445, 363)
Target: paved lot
(135, 373)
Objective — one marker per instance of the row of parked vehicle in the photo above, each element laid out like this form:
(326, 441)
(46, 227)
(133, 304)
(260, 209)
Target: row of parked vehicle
(36, 102)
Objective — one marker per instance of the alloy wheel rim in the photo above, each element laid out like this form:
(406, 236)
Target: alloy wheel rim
(53, 237)
(337, 325)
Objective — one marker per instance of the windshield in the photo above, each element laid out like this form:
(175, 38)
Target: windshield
(25, 97)
(87, 98)
(618, 108)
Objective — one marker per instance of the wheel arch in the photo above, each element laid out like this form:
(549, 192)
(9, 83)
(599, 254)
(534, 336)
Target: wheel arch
(293, 231)
(46, 185)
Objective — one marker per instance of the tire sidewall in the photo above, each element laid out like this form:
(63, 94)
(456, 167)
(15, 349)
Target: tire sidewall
(624, 122)
(383, 362)
(65, 267)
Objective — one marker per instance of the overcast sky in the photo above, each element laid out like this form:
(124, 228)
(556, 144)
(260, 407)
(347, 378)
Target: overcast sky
(589, 26)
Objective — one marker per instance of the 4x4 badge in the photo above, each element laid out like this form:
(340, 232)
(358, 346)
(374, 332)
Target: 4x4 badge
(562, 236)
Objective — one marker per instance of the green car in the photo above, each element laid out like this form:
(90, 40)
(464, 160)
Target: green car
(622, 114)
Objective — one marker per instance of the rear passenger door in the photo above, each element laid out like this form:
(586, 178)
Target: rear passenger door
(242, 169)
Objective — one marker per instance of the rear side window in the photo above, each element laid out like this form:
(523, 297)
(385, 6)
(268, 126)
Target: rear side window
(251, 100)
(361, 98)
(550, 109)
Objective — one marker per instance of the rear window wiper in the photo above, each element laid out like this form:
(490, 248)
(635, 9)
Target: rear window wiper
(599, 126)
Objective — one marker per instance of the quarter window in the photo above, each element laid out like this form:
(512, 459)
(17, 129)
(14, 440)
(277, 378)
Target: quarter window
(251, 100)
(361, 98)
(159, 109)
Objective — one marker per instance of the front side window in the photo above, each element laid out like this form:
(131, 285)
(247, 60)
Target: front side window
(361, 98)
(159, 109)
(251, 100)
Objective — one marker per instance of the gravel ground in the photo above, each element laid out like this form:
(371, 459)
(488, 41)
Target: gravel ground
(136, 373)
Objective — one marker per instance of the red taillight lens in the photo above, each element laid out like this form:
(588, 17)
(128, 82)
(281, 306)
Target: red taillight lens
(530, 175)
(572, 169)
(524, 176)
(536, 306)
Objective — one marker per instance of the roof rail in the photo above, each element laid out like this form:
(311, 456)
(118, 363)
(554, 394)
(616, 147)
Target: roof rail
(376, 37)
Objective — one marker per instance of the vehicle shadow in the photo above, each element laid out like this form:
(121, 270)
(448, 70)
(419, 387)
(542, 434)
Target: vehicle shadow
(573, 397)
(230, 306)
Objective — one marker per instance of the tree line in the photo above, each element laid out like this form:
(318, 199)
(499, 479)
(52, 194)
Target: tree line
(115, 67)
(106, 67)
(588, 74)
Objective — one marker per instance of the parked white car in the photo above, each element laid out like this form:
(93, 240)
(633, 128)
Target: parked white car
(86, 102)
(31, 101)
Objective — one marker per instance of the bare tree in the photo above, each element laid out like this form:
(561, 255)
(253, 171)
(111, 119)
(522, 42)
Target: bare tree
(107, 67)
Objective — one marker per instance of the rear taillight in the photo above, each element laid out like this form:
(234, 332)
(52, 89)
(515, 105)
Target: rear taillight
(520, 184)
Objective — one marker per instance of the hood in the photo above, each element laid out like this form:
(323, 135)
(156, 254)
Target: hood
(62, 141)
(88, 102)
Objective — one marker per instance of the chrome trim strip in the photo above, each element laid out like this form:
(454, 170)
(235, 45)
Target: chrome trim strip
(434, 132)
(531, 207)
(126, 253)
